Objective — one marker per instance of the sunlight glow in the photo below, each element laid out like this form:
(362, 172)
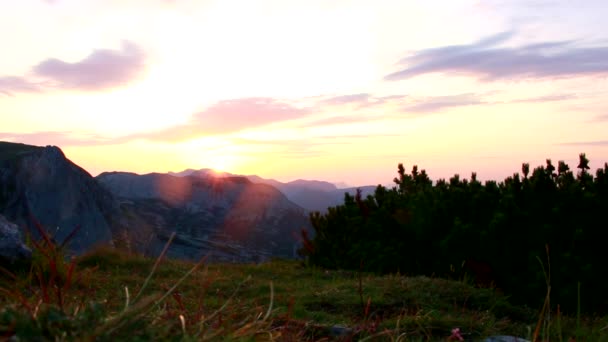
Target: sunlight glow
(321, 69)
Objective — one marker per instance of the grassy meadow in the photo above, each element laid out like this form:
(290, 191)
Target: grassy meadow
(112, 295)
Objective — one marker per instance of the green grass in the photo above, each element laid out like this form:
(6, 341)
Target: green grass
(278, 300)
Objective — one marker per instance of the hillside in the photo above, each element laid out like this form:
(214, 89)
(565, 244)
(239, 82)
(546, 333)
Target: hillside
(280, 301)
(229, 217)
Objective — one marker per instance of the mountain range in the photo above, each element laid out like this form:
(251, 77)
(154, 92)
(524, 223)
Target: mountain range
(228, 217)
(312, 195)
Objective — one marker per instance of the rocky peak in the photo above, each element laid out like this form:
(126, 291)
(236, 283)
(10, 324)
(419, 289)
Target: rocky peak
(40, 183)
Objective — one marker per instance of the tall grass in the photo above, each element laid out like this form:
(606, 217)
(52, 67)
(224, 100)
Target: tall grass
(55, 301)
(111, 295)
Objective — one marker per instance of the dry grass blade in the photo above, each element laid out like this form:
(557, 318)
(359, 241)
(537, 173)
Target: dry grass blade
(43, 234)
(158, 260)
(252, 328)
(546, 310)
(69, 275)
(140, 308)
(70, 236)
(8, 273)
(19, 298)
(181, 280)
(126, 298)
(136, 311)
(182, 321)
(243, 331)
(271, 302)
(207, 319)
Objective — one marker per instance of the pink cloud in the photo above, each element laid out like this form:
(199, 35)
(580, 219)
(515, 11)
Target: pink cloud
(13, 84)
(102, 69)
(438, 103)
(361, 100)
(338, 120)
(56, 138)
(230, 116)
(348, 99)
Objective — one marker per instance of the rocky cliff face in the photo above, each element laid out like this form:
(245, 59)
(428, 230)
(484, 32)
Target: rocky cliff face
(230, 218)
(40, 183)
(12, 249)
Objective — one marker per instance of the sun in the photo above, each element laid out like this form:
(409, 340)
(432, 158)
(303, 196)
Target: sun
(211, 152)
(220, 163)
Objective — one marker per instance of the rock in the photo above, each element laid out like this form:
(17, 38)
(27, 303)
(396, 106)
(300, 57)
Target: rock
(40, 183)
(340, 331)
(12, 249)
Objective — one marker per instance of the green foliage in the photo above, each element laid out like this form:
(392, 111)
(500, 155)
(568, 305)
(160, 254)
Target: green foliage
(492, 232)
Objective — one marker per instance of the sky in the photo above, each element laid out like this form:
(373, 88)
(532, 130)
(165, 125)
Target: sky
(338, 90)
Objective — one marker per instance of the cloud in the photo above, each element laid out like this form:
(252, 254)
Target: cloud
(438, 103)
(547, 98)
(102, 69)
(230, 116)
(338, 120)
(601, 118)
(13, 84)
(347, 99)
(361, 99)
(586, 143)
(56, 138)
(488, 61)
(300, 153)
(359, 136)
(289, 148)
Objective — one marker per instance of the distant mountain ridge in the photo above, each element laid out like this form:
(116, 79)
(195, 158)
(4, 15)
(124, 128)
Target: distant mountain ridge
(312, 195)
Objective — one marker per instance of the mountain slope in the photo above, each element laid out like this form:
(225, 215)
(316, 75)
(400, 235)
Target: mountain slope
(40, 183)
(230, 217)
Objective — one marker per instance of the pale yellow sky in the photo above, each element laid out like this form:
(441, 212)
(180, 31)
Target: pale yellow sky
(339, 91)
